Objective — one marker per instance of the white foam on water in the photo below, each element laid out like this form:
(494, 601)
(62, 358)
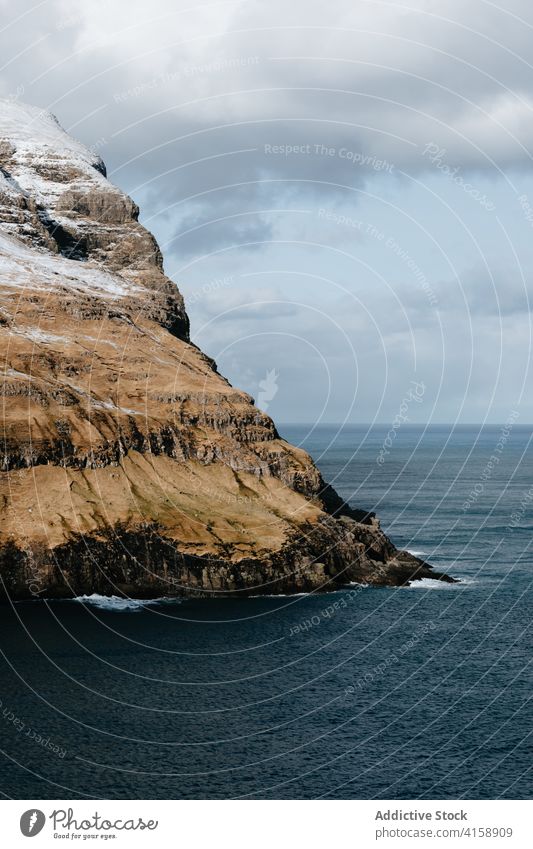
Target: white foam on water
(431, 584)
(118, 603)
(281, 595)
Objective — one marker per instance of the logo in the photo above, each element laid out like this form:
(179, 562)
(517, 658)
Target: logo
(269, 389)
(32, 822)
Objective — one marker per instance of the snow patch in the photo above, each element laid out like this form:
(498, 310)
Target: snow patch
(24, 267)
(109, 405)
(37, 335)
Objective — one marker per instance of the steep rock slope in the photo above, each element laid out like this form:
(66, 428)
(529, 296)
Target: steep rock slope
(128, 463)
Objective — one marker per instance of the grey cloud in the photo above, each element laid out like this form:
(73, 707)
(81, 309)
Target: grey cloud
(370, 79)
(182, 107)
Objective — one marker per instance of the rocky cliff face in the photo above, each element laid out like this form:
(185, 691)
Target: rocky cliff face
(128, 464)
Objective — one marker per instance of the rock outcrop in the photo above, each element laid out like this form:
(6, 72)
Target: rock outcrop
(128, 463)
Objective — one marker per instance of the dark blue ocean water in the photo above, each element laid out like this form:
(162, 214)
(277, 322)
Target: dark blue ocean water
(391, 693)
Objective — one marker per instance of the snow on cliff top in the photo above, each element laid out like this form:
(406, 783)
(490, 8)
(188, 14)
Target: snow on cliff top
(46, 163)
(22, 267)
(41, 148)
(29, 128)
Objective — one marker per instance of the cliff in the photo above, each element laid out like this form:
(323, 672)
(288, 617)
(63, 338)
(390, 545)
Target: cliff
(129, 464)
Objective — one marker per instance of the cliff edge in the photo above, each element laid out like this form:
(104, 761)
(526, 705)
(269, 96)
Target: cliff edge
(129, 464)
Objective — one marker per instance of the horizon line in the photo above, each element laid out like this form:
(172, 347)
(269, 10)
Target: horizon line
(405, 424)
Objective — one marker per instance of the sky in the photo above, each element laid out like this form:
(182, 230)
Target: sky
(343, 192)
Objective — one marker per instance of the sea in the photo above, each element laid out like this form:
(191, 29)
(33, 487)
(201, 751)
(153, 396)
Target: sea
(418, 692)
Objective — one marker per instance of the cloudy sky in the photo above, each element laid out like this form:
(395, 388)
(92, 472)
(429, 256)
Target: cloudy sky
(343, 191)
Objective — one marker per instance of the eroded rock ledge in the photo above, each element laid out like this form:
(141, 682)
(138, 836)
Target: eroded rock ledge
(128, 464)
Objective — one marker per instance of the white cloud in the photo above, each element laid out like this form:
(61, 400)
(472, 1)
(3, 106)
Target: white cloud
(181, 98)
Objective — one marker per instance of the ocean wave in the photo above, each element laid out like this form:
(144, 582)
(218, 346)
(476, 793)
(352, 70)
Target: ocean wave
(431, 584)
(279, 595)
(119, 603)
